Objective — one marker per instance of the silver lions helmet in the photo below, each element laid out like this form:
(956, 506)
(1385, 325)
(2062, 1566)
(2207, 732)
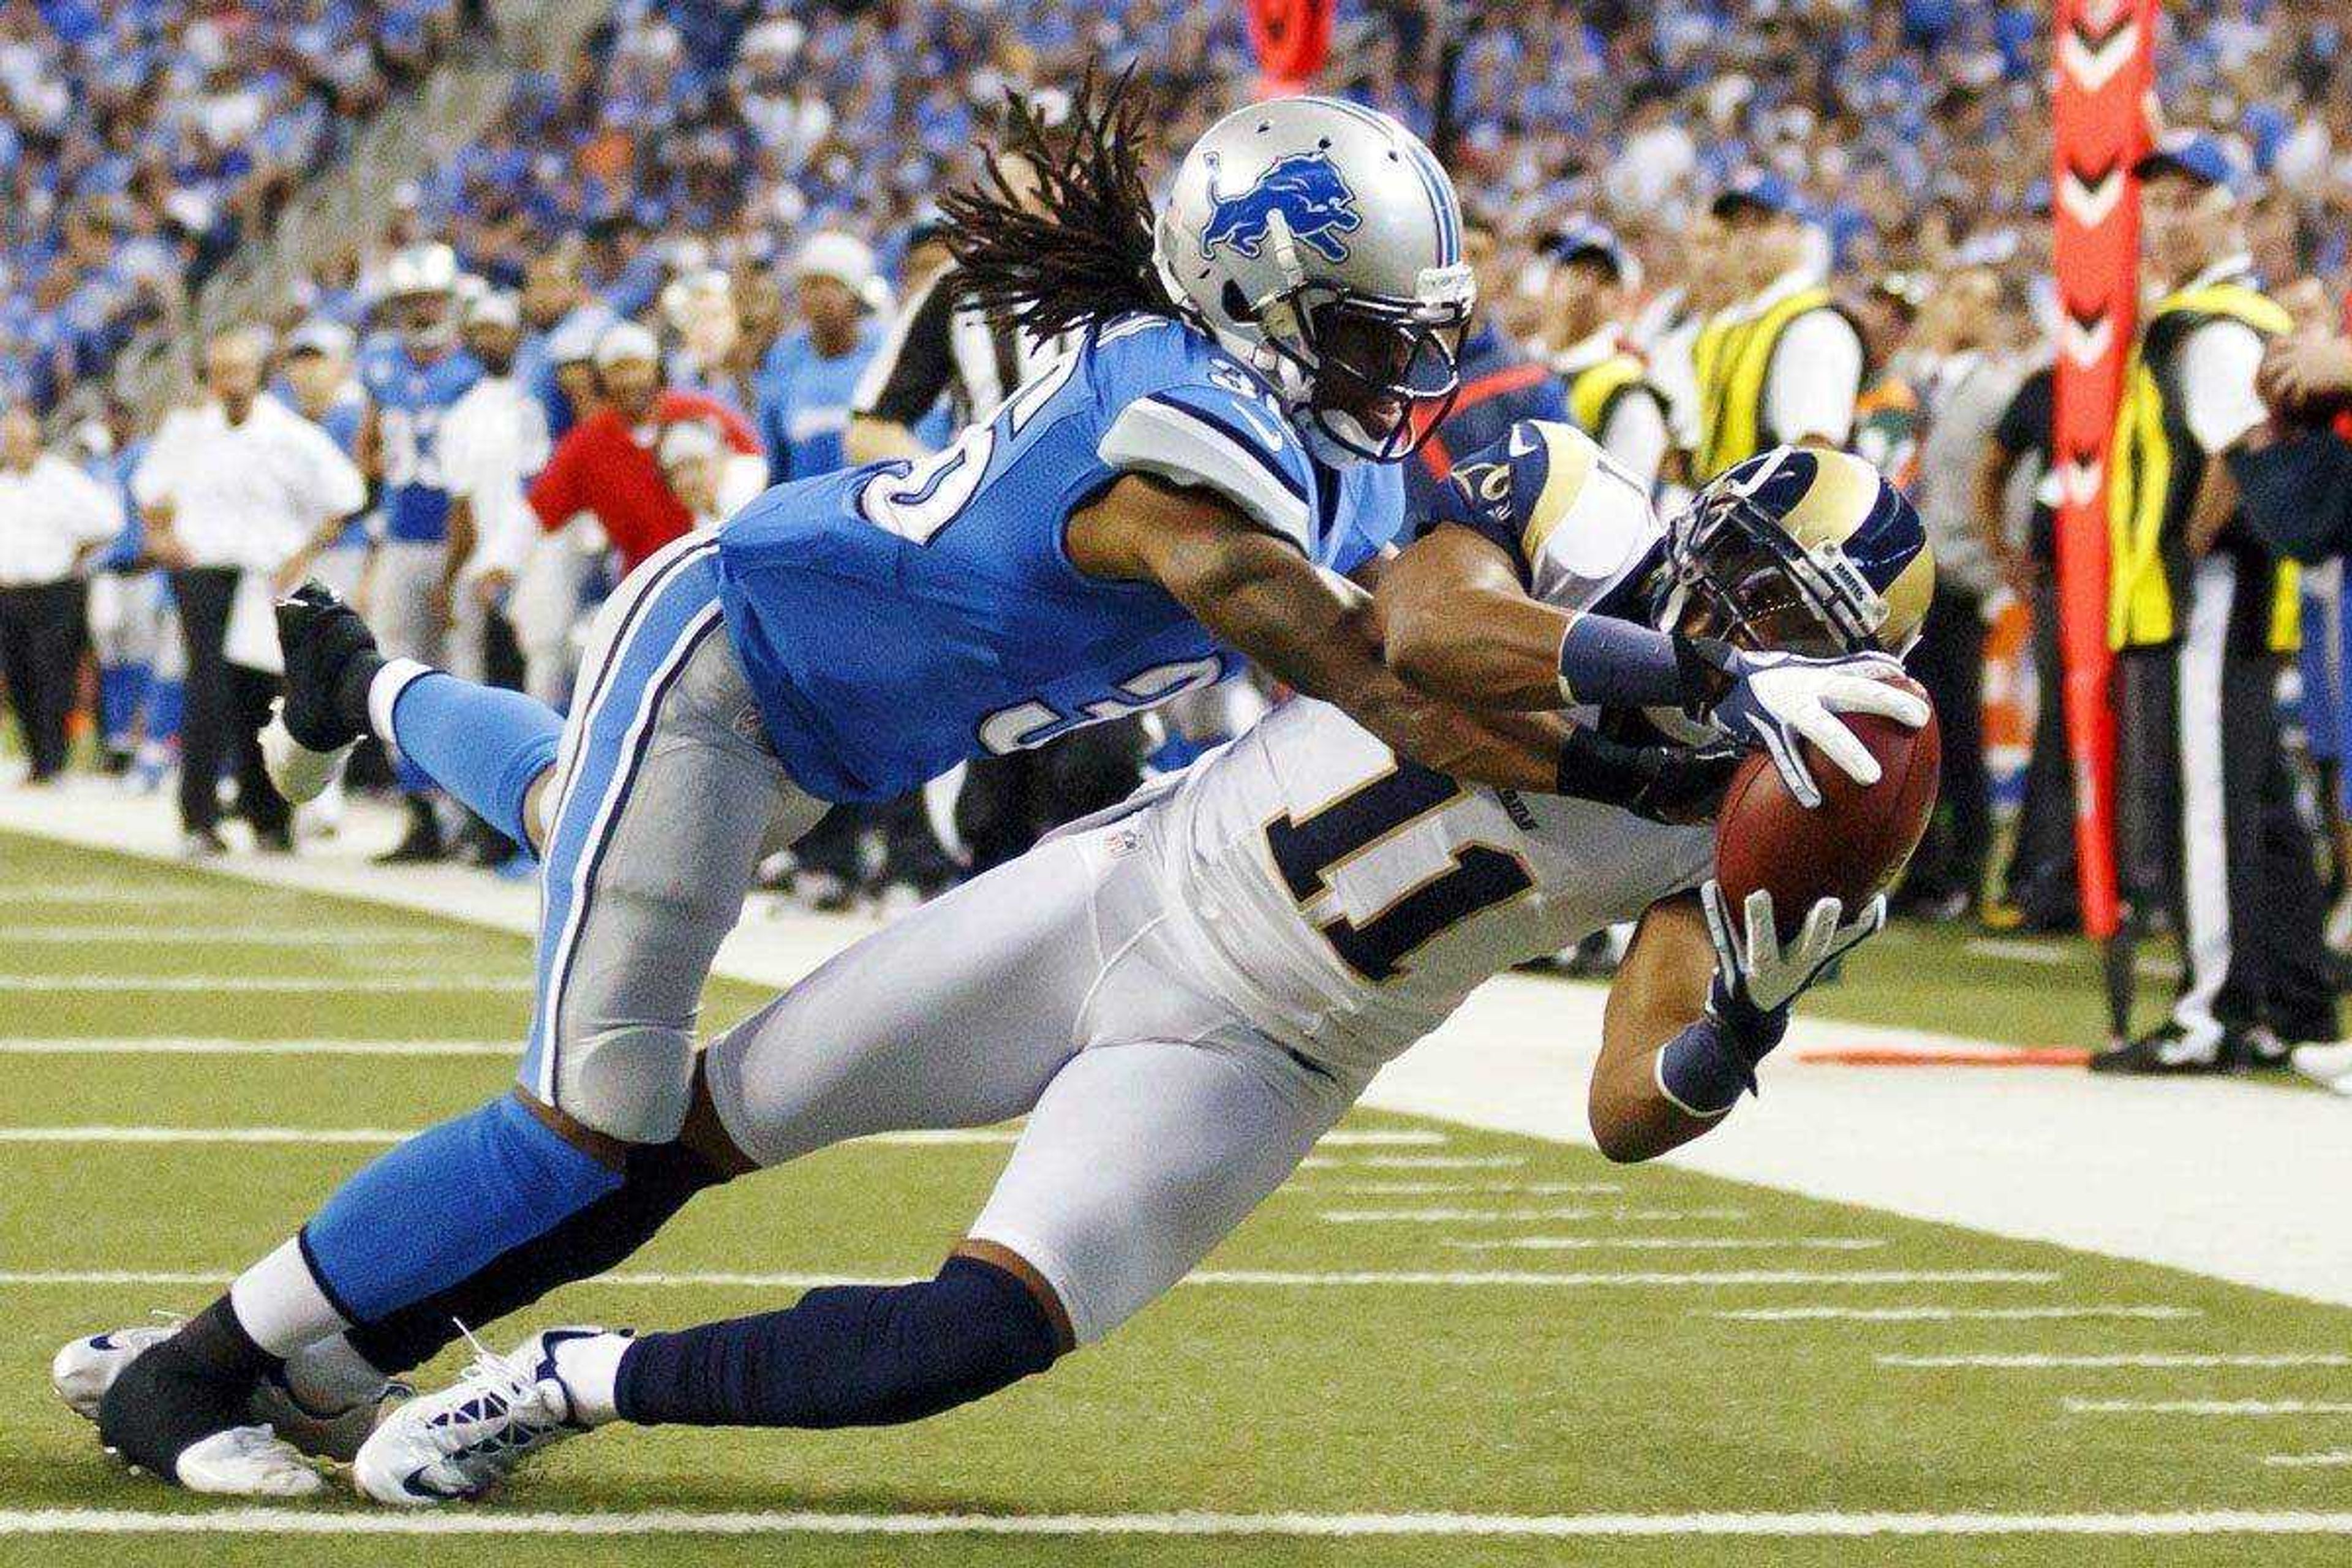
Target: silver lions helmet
(420, 296)
(1320, 243)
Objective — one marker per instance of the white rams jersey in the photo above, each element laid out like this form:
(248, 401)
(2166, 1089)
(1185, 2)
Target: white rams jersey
(1346, 900)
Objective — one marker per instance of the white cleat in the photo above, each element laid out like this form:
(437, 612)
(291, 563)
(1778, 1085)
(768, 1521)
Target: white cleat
(84, 1369)
(455, 1444)
(247, 1461)
(2330, 1067)
(300, 773)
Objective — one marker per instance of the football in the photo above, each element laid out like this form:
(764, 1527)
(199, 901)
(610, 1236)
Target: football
(1854, 844)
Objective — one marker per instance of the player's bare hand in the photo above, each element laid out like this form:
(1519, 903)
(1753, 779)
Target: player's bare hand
(1754, 966)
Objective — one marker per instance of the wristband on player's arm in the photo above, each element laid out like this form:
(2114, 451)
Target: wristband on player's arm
(1665, 784)
(1609, 663)
(1705, 1068)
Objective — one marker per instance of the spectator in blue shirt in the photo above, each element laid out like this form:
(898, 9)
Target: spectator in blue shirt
(806, 386)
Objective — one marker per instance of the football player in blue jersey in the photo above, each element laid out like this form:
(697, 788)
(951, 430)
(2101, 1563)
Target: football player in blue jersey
(1193, 485)
(413, 375)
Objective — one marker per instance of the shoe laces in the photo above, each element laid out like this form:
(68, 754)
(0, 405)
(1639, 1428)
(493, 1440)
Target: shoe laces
(256, 1443)
(509, 1381)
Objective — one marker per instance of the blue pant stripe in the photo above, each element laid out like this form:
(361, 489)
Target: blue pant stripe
(664, 629)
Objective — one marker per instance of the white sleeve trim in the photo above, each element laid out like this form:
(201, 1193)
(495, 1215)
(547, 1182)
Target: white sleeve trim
(1816, 374)
(1157, 437)
(2217, 383)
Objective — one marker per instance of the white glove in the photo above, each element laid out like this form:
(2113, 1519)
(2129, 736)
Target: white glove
(1760, 973)
(1780, 697)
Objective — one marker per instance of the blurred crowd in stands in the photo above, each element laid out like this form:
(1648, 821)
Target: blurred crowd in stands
(701, 255)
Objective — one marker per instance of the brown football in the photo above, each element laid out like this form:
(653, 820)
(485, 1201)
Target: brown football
(1854, 844)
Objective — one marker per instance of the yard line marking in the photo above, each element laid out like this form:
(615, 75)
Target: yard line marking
(327, 983)
(1414, 1161)
(1515, 1215)
(680, 1521)
(1436, 1189)
(913, 1137)
(1259, 1279)
(1669, 1243)
(194, 1046)
(2332, 1457)
(1937, 1314)
(1383, 1138)
(2209, 1407)
(2039, 1362)
(227, 936)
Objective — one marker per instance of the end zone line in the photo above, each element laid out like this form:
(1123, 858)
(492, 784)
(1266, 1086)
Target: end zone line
(1436, 1189)
(2209, 1407)
(1668, 1243)
(1939, 1314)
(1516, 1216)
(675, 1521)
(1213, 1278)
(2041, 1363)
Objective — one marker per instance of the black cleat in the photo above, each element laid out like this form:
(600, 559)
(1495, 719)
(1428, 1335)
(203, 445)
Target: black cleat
(2166, 1052)
(423, 841)
(330, 659)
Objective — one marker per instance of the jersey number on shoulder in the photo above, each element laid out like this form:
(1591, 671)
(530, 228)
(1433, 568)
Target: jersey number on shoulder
(931, 492)
(1307, 849)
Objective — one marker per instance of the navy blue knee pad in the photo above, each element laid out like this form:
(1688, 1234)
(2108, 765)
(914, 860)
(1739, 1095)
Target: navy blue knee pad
(846, 1355)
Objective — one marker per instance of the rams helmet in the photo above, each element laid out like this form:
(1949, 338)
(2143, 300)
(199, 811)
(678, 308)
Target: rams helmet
(1799, 548)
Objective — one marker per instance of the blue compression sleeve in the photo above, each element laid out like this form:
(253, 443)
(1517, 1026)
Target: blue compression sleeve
(1622, 664)
(482, 744)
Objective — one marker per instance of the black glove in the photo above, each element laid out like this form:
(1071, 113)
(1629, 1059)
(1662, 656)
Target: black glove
(1678, 784)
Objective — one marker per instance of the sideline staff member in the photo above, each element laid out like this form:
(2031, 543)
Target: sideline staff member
(1784, 366)
(53, 519)
(2200, 613)
(233, 486)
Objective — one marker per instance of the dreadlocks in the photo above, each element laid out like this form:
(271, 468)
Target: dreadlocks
(1079, 250)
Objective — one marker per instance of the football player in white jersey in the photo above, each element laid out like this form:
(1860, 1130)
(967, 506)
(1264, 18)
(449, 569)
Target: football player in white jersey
(1184, 994)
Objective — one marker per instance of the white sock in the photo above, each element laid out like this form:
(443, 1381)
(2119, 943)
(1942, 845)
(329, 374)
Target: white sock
(384, 689)
(590, 1369)
(281, 1306)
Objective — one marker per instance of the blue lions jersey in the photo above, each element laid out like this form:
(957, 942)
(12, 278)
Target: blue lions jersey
(411, 400)
(899, 618)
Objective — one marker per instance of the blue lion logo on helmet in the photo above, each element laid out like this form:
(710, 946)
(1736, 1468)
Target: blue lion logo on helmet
(1305, 188)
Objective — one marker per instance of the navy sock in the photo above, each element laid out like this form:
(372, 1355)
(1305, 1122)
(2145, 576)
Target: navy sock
(435, 1211)
(846, 1355)
(482, 744)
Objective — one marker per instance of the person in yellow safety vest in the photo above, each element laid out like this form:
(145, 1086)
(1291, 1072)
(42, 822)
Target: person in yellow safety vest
(1667, 330)
(1784, 366)
(2198, 614)
(1610, 394)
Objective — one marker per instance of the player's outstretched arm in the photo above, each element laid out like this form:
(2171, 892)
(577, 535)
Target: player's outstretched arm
(1703, 996)
(1315, 633)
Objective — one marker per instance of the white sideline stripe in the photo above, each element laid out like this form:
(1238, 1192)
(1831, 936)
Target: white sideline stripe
(2209, 1407)
(229, 936)
(676, 1522)
(1506, 1217)
(1669, 1244)
(194, 1046)
(2333, 1457)
(327, 983)
(2036, 1363)
(1266, 1278)
(1416, 1162)
(1438, 1189)
(1937, 1314)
